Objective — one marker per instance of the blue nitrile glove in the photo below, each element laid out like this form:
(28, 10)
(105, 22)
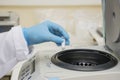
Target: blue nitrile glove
(45, 32)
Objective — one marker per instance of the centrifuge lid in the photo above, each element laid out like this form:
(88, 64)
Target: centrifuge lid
(111, 11)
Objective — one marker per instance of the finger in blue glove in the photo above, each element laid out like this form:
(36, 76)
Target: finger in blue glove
(45, 32)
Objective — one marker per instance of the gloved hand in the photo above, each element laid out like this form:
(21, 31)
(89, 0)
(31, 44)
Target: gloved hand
(45, 32)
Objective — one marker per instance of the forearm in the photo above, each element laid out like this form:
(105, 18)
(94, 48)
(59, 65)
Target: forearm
(13, 48)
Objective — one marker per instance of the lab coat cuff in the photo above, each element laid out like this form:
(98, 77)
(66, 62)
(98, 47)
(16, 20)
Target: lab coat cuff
(22, 50)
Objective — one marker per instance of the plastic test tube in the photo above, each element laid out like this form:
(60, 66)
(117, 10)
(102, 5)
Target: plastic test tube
(63, 44)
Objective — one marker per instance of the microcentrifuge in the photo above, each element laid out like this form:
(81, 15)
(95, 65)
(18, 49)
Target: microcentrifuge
(80, 63)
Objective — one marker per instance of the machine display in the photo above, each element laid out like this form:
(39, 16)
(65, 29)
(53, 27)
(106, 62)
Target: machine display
(27, 70)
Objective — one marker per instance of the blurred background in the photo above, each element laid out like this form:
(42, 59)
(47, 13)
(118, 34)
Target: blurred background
(76, 16)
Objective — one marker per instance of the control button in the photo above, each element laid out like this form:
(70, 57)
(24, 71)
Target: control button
(29, 77)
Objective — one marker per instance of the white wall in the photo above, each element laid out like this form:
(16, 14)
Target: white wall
(76, 16)
(49, 2)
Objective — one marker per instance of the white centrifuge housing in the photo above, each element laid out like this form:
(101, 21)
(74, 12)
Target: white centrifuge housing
(90, 63)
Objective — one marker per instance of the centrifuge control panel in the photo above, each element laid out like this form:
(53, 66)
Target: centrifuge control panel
(27, 70)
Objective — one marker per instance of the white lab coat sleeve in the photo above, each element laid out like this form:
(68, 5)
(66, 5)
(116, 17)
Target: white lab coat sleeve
(13, 48)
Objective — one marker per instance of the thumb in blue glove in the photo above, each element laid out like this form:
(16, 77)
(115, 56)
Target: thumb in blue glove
(45, 32)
